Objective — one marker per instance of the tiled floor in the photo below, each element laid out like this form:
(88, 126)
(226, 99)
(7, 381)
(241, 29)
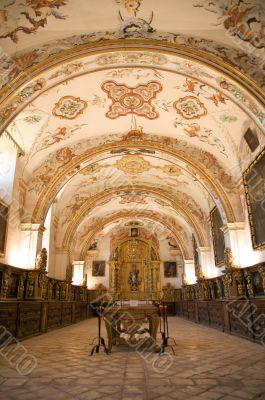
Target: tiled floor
(208, 365)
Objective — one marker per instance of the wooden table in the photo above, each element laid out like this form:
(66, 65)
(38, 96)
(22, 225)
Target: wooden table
(128, 320)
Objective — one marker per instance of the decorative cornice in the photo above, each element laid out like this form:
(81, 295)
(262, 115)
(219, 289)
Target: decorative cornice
(32, 227)
(203, 249)
(235, 226)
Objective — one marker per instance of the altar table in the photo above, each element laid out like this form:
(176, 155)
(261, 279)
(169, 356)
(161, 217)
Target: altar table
(127, 320)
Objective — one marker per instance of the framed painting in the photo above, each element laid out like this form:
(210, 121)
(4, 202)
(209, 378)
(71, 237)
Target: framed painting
(134, 232)
(98, 268)
(252, 139)
(3, 226)
(218, 237)
(170, 269)
(195, 255)
(254, 182)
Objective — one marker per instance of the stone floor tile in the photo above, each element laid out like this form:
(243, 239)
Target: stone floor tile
(132, 397)
(90, 395)
(208, 365)
(131, 389)
(228, 397)
(210, 395)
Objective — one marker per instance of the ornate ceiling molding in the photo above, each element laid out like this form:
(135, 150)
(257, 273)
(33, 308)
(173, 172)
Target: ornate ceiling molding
(144, 214)
(65, 173)
(108, 194)
(164, 45)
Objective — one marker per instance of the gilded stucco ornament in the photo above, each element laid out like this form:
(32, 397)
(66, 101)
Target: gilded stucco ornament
(133, 164)
(229, 259)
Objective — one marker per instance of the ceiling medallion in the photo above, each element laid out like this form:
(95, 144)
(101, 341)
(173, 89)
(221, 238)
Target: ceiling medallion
(69, 107)
(133, 164)
(189, 107)
(131, 100)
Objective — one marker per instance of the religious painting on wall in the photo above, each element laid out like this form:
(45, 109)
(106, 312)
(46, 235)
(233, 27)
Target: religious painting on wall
(218, 237)
(254, 181)
(170, 269)
(257, 283)
(98, 268)
(252, 139)
(3, 226)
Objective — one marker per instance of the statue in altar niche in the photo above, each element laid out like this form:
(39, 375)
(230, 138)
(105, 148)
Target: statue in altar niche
(134, 280)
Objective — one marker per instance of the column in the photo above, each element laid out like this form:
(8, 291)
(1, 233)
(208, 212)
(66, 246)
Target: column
(61, 262)
(30, 243)
(234, 234)
(78, 272)
(189, 270)
(206, 261)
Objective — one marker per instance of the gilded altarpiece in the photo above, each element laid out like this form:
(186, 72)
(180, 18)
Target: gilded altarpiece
(135, 271)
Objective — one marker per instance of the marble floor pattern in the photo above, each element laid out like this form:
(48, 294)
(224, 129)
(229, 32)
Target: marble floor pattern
(208, 365)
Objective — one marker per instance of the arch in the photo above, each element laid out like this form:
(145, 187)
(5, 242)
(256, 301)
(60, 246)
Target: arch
(146, 215)
(72, 168)
(91, 203)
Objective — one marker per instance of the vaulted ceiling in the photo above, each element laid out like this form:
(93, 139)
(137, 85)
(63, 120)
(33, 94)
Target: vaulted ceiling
(132, 109)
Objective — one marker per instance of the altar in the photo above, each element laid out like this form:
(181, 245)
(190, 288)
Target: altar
(134, 326)
(135, 270)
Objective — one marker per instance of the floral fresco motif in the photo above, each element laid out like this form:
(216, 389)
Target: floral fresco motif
(22, 97)
(27, 17)
(51, 138)
(137, 198)
(172, 170)
(242, 19)
(70, 210)
(33, 119)
(241, 98)
(206, 135)
(187, 201)
(138, 73)
(67, 69)
(69, 107)
(131, 100)
(132, 6)
(45, 172)
(143, 58)
(190, 107)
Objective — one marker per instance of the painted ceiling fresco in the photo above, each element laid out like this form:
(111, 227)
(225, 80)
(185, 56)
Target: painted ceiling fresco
(216, 27)
(180, 107)
(110, 132)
